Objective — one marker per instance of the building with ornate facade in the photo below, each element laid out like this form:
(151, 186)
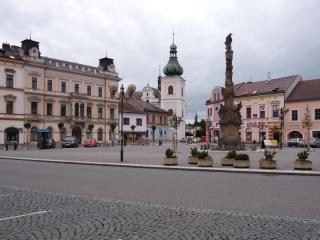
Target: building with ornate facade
(56, 91)
(305, 95)
(261, 102)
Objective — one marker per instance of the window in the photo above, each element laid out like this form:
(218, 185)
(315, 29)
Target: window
(209, 112)
(182, 91)
(100, 113)
(248, 136)
(9, 81)
(89, 112)
(100, 134)
(49, 109)
(294, 115)
(165, 120)
(77, 88)
(248, 112)
(170, 90)
(82, 110)
(317, 114)
(139, 122)
(63, 133)
(126, 121)
(316, 134)
(262, 112)
(63, 87)
(9, 107)
(33, 134)
(275, 111)
(49, 85)
(63, 110)
(153, 119)
(214, 97)
(111, 113)
(100, 91)
(147, 118)
(34, 83)
(182, 113)
(89, 90)
(76, 110)
(160, 119)
(170, 111)
(34, 108)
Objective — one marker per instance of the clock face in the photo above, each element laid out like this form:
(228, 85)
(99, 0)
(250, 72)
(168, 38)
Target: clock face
(34, 52)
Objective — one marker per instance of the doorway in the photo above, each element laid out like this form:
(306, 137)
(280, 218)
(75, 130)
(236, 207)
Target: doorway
(77, 132)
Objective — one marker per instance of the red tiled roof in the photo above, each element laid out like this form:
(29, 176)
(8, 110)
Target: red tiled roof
(305, 90)
(263, 87)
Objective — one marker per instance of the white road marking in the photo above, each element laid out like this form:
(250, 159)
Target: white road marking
(3, 195)
(24, 215)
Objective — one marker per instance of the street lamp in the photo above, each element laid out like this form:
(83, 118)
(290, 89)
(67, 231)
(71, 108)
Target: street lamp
(122, 95)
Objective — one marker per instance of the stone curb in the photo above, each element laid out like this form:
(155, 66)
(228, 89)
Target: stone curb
(184, 168)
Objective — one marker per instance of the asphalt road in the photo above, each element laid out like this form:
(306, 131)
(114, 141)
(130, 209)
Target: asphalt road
(292, 196)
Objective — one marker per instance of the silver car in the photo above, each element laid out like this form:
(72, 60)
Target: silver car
(314, 142)
(296, 142)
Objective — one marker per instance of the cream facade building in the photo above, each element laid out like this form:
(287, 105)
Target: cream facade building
(55, 91)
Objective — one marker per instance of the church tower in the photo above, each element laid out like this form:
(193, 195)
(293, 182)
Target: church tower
(173, 89)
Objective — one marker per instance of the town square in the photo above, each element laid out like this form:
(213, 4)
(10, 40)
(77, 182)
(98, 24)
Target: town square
(159, 120)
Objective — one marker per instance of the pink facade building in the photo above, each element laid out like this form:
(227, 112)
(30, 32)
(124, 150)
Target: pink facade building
(305, 95)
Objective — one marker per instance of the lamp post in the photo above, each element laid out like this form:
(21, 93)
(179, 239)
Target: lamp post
(122, 95)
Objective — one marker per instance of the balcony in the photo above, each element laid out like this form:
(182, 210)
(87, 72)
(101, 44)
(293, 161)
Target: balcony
(33, 117)
(112, 120)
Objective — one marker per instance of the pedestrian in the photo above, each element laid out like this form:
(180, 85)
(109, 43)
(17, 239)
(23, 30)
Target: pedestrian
(160, 142)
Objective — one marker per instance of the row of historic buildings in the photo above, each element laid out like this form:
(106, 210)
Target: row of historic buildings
(45, 92)
(261, 104)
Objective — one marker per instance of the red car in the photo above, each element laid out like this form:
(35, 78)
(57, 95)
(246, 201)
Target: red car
(90, 143)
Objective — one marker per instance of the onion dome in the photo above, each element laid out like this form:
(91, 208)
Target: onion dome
(173, 67)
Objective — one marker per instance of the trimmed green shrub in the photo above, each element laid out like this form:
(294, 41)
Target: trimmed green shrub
(170, 153)
(194, 152)
(231, 154)
(242, 156)
(269, 155)
(204, 155)
(303, 155)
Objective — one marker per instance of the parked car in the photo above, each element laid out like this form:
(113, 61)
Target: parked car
(90, 143)
(314, 142)
(70, 141)
(183, 140)
(296, 142)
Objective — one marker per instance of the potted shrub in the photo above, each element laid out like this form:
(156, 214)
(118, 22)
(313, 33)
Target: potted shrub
(228, 159)
(301, 163)
(193, 159)
(171, 157)
(204, 159)
(241, 161)
(268, 162)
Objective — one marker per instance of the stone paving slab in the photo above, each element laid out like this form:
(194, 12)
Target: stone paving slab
(30, 215)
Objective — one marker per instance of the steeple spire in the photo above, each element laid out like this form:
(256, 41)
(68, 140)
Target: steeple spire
(173, 67)
(159, 79)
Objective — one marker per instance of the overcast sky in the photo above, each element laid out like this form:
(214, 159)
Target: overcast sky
(281, 37)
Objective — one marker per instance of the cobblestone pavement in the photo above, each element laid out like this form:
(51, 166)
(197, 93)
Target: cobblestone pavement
(28, 214)
(154, 155)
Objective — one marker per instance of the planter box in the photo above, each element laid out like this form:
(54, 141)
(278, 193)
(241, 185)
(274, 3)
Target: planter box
(241, 163)
(170, 161)
(268, 164)
(193, 160)
(302, 164)
(205, 163)
(227, 161)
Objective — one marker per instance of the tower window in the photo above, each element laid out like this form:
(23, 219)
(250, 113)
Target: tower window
(170, 90)
(9, 81)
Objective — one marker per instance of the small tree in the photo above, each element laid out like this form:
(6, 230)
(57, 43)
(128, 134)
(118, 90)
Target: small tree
(153, 131)
(174, 122)
(208, 123)
(90, 128)
(60, 126)
(113, 127)
(132, 129)
(27, 125)
(307, 123)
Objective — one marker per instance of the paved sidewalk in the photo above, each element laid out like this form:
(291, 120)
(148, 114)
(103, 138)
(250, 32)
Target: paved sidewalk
(37, 215)
(153, 155)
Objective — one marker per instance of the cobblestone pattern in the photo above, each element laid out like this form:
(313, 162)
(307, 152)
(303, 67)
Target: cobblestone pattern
(82, 218)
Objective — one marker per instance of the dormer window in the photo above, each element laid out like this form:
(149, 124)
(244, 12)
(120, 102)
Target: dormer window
(170, 90)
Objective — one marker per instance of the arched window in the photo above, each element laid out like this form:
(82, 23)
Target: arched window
(170, 90)
(81, 110)
(76, 110)
(100, 134)
(33, 134)
(170, 111)
(50, 131)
